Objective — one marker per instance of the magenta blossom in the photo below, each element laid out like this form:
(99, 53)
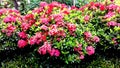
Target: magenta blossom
(25, 26)
(96, 39)
(102, 7)
(11, 28)
(44, 21)
(44, 27)
(112, 7)
(82, 57)
(112, 0)
(55, 52)
(9, 19)
(109, 15)
(61, 33)
(53, 32)
(86, 18)
(43, 4)
(45, 48)
(22, 43)
(87, 34)
(112, 23)
(115, 41)
(71, 27)
(42, 51)
(58, 17)
(118, 24)
(22, 35)
(90, 50)
(32, 40)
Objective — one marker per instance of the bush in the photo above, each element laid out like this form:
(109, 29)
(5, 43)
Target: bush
(59, 32)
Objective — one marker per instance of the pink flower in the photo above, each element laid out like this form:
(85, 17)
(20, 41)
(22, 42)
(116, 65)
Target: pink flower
(118, 24)
(61, 33)
(112, 7)
(86, 18)
(29, 16)
(71, 27)
(44, 27)
(8, 34)
(102, 7)
(56, 4)
(38, 10)
(43, 4)
(22, 43)
(112, 23)
(31, 22)
(58, 17)
(52, 52)
(60, 23)
(109, 15)
(50, 8)
(74, 8)
(32, 40)
(111, 0)
(55, 52)
(45, 20)
(13, 11)
(115, 41)
(53, 32)
(58, 39)
(3, 30)
(66, 12)
(11, 28)
(96, 39)
(90, 50)
(82, 57)
(25, 26)
(2, 11)
(54, 26)
(87, 34)
(42, 50)
(22, 35)
(45, 48)
(9, 19)
(79, 48)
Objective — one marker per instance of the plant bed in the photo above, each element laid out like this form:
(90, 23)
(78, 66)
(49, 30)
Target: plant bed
(57, 32)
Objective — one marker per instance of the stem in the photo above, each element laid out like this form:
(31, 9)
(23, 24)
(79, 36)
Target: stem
(15, 4)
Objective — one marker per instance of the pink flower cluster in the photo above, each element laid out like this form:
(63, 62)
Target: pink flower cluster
(22, 35)
(9, 19)
(109, 15)
(114, 40)
(112, 24)
(86, 18)
(47, 48)
(22, 43)
(37, 39)
(88, 37)
(71, 27)
(79, 50)
(9, 30)
(90, 50)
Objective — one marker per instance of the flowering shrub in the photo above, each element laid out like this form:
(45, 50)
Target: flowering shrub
(66, 33)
